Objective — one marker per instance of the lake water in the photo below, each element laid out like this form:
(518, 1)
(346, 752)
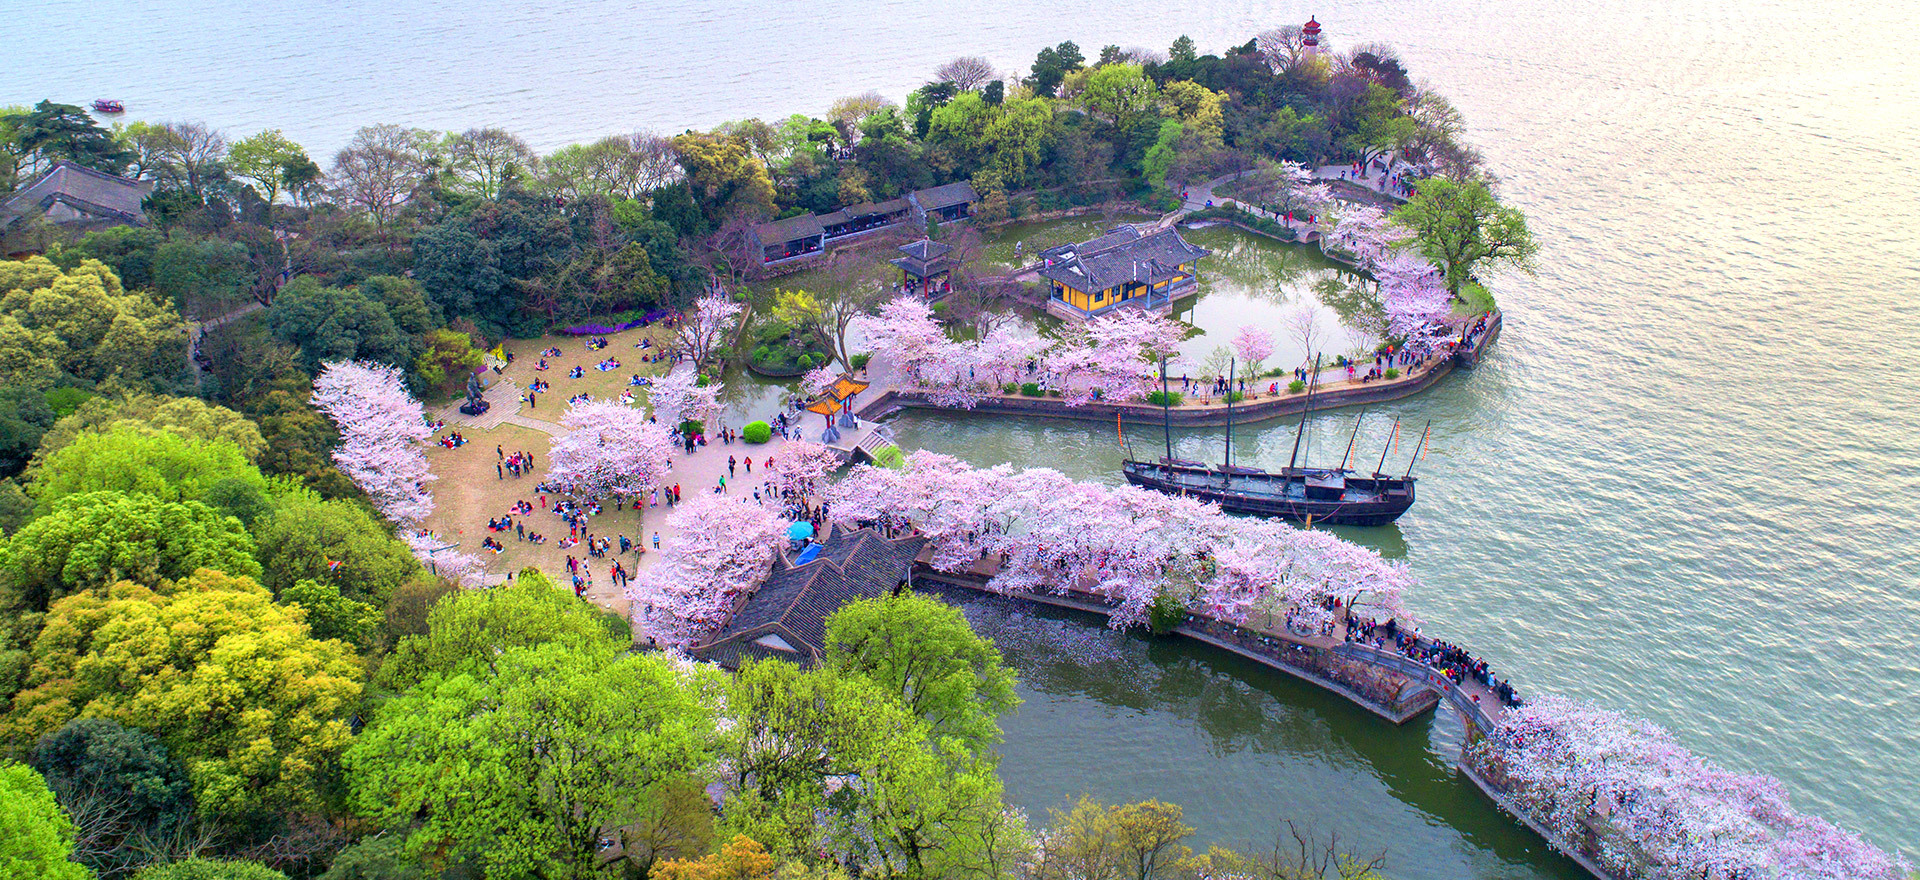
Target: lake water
(1683, 485)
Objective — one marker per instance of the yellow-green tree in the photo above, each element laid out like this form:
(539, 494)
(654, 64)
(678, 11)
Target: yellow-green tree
(726, 176)
(188, 417)
(167, 466)
(37, 838)
(233, 684)
(86, 323)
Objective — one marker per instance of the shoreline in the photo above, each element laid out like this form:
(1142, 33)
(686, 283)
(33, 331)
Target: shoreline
(1346, 393)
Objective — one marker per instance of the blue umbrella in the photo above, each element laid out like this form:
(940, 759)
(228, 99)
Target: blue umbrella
(800, 531)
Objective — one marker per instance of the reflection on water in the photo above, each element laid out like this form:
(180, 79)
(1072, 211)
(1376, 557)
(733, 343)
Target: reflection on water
(1114, 712)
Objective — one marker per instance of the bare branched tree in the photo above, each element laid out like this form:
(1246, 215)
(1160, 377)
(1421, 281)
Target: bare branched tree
(969, 72)
(487, 160)
(379, 170)
(655, 163)
(1282, 47)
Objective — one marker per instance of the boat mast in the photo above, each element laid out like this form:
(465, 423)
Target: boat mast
(1226, 466)
(1386, 446)
(1417, 447)
(1166, 412)
(1354, 436)
(1313, 380)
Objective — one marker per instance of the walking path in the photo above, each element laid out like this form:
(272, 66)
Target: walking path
(197, 330)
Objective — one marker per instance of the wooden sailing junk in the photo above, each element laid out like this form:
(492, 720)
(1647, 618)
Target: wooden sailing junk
(1334, 496)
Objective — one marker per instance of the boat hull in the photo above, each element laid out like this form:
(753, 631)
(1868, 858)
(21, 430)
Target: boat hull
(1379, 501)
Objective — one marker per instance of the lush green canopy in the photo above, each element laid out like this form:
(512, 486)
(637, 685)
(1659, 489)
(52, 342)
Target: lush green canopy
(93, 540)
(234, 685)
(38, 837)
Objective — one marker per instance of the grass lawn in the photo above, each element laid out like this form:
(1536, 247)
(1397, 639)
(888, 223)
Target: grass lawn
(574, 352)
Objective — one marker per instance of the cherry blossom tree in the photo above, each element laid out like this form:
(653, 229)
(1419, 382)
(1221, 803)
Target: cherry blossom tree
(1107, 357)
(906, 336)
(1254, 346)
(382, 428)
(465, 569)
(819, 380)
(610, 449)
(722, 549)
(678, 396)
(1671, 813)
(1044, 532)
(702, 331)
(1007, 350)
(1414, 297)
(803, 466)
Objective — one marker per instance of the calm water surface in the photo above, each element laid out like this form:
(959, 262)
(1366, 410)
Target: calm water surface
(1684, 484)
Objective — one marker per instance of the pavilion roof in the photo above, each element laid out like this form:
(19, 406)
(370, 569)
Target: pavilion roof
(94, 193)
(1122, 256)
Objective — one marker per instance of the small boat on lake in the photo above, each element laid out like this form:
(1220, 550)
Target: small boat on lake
(1333, 496)
(107, 105)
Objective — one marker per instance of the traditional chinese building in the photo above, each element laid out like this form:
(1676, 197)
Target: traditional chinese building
(70, 195)
(789, 239)
(946, 204)
(787, 617)
(864, 217)
(1124, 267)
(926, 268)
(1310, 37)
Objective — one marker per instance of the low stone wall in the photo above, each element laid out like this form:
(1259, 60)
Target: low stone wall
(1264, 409)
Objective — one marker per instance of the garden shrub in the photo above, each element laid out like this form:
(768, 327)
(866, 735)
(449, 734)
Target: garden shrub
(861, 360)
(805, 362)
(1393, 372)
(691, 427)
(1296, 386)
(1165, 398)
(757, 432)
(1031, 389)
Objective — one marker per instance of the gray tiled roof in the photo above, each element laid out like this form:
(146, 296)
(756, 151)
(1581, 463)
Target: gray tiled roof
(790, 229)
(926, 249)
(945, 196)
(1121, 256)
(96, 193)
(796, 601)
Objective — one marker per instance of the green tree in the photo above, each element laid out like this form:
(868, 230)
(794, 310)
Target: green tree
(262, 160)
(186, 417)
(449, 357)
(725, 176)
(1182, 51)
(209, 869)
(404, 300)
(527, 764)
(1460, 226)
(1158, 159)
(52, 133)
(303, 538)
(468, 633)
(234, 685)
(377, 857)
(38, 837)
(337, 323)
(165, 465)
(1120, 93)
(91, 541)
(333, 616)
(1052, 65)
(120, 788)
(918, 812)
(923, 650)
(25, 418)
